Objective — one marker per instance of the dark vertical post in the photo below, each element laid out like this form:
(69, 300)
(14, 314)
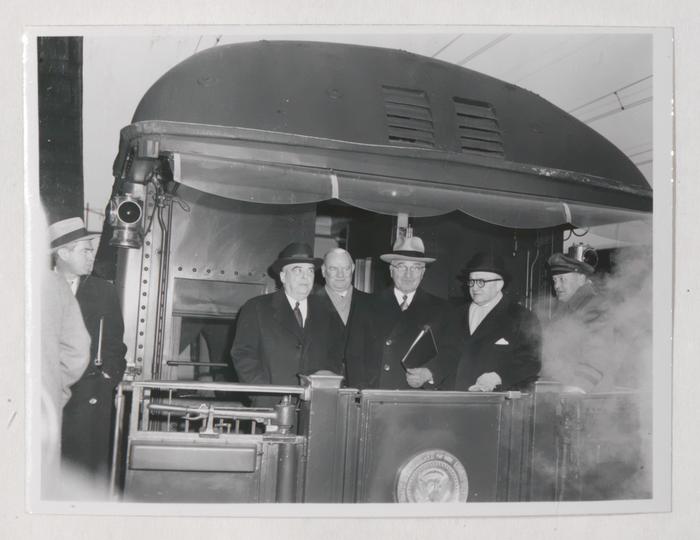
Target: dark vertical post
(325, 445)
(60, 77)
(286, 473)
(544, 442)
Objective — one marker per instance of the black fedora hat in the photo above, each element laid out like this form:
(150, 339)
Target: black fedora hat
(488, 262)
(296, 252)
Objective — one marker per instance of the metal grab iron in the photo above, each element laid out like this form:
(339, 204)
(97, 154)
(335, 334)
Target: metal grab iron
(277, 419)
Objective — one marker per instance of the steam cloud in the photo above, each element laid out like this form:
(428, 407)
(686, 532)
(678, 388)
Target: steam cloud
(615, 428)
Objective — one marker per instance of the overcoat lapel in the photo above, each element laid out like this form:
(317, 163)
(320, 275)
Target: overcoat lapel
(418, 313)
(81, 280)
(401, 320)
(411, 318)
(313, 320)
(388, 308)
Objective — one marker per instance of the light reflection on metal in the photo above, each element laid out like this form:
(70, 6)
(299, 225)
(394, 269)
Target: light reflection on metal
(126, 219)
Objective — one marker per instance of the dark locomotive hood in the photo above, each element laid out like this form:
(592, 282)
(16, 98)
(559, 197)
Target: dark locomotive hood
(381, 129)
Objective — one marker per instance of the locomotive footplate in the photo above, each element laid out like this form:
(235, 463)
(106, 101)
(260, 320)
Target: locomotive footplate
(323, 443)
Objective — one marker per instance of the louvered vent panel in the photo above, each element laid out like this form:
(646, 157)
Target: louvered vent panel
(408, 117)
(477, 128)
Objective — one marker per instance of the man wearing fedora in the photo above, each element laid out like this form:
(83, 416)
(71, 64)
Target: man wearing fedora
(88, 415)
(65, 349)
(353, 310)
(401, 313)
(286, 333)
(498, 342)
(578, 337)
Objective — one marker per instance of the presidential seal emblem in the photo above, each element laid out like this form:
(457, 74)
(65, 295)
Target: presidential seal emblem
(432, 476)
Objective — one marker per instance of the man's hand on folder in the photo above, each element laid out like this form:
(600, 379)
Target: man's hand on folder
(417, 377)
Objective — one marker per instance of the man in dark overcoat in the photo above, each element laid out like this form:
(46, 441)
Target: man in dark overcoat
(89, 414)
(401, 312)
(498, 341)
(579, 337)
(287, 333)
(353, 311)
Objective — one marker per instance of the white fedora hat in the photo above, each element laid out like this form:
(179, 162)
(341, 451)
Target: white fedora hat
(408, 249)
(69, 230)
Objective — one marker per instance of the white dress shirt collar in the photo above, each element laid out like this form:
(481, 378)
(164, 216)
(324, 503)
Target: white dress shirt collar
(399, 296)
(478, 313)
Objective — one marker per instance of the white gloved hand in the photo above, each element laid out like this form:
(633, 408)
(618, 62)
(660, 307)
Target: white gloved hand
(486, 382)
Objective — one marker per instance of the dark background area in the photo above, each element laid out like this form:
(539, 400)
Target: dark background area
(60, 126)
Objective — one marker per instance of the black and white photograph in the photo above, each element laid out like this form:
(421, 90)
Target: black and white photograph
(343, 265)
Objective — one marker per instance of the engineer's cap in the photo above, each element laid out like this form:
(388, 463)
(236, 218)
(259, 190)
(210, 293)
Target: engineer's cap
(564, 264)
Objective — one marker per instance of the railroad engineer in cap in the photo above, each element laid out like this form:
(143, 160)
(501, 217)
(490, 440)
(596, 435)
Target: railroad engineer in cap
(401, 312)
(498, 342)
(352, 309)
(88, 415)
(287, 333)
(577, 335)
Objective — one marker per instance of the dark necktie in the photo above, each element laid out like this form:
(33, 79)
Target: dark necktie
(297, 314)
(404, 304)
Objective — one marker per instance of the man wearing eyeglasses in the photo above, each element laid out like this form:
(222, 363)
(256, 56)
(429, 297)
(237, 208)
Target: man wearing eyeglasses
(402, 312)
(499, 341)
(287, 333)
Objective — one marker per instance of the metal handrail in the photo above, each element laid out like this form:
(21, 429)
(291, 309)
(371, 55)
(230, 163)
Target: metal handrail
(222, 387)
(202, 412)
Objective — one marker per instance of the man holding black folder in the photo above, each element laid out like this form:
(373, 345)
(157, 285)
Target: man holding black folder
(406, 318)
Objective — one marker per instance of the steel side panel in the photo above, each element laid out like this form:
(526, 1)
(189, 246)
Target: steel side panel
(612, 452)
(193, 458)
(543, 442)
(267, 479)
(221, 240)
(322, 421)
(187, 481)
(351, 410)
(514, 448)
(191, 487)
(396, 426)
(196, 297)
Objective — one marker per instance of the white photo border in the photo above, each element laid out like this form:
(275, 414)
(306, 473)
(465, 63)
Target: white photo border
(663, 174)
